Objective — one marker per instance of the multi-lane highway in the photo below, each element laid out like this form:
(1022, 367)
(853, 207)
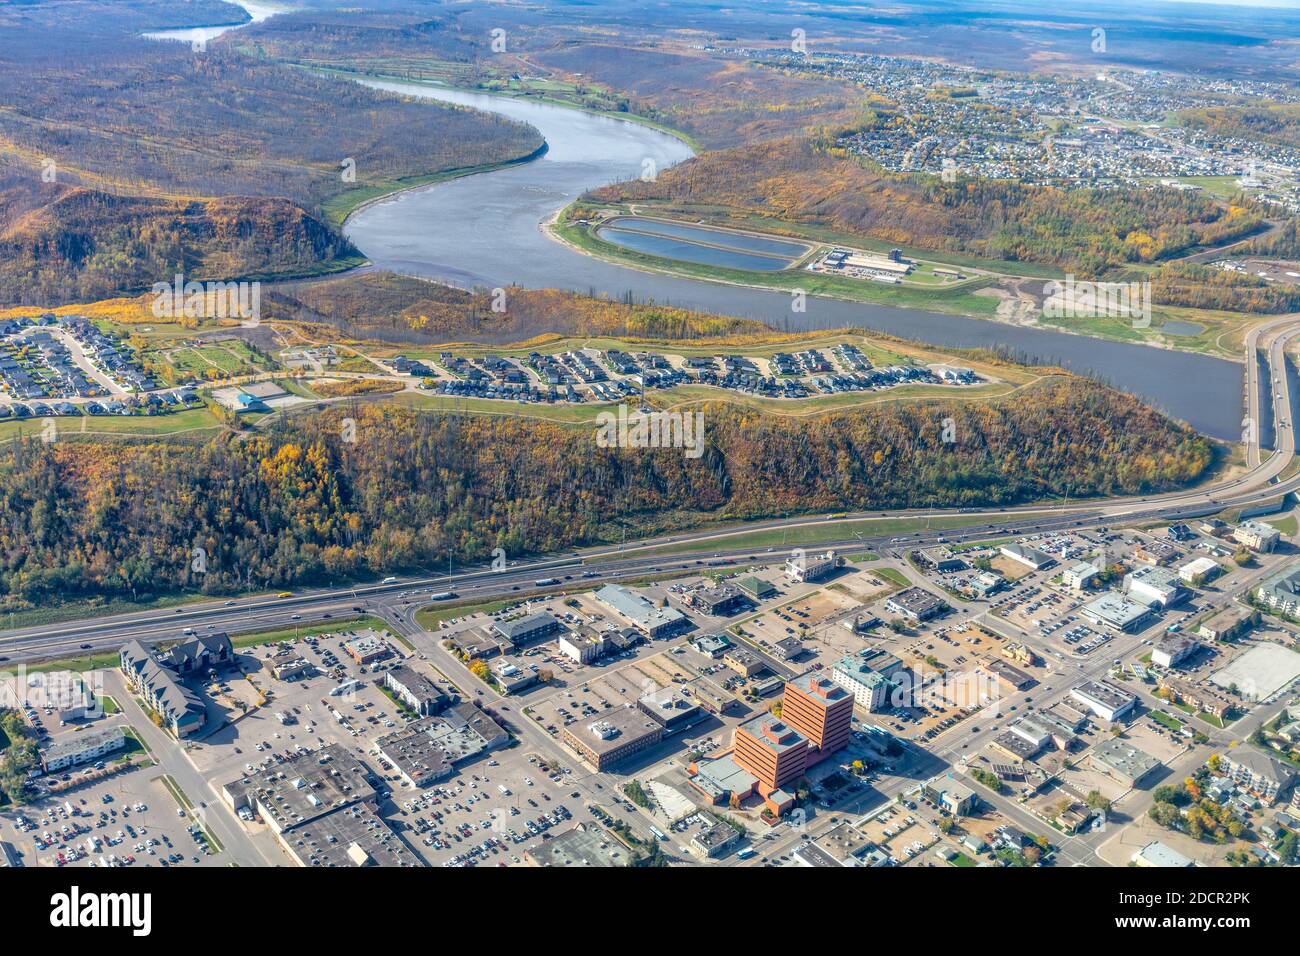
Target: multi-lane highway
(684, 552)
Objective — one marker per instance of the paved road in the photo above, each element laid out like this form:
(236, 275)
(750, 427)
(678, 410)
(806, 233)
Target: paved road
(239, 846)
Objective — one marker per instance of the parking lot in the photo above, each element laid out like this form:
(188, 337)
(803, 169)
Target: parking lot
(131, 819)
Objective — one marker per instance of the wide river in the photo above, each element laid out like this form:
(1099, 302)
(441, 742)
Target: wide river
(485, 230)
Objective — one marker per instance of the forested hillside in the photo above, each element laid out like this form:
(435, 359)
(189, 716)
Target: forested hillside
(803, 180)
(64, 244)
(105, 136)
(397, 308)
(300, 504)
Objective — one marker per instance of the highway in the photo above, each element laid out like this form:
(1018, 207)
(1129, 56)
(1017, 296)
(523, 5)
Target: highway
(691, 551)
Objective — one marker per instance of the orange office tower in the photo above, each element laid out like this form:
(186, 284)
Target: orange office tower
(821, 710)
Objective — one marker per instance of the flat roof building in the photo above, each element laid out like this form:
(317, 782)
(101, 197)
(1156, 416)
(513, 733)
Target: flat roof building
(415, 690)
(821, 710)
(654, 622)
(74, 749)
(1156, 587)
(1123, 761)
(1157, 854)
(672, 709)
(1173, 650)
(585, 845)
(807, 568)
(616, 736)
(1257, 535)
(1105, 700)
(1112, 611)
(916, 604)
(870, 688)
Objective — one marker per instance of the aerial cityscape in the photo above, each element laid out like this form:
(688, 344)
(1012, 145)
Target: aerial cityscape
(531, 434)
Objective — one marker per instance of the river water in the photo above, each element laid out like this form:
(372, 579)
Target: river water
(485, 230)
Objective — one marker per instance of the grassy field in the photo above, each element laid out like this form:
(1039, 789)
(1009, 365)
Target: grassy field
(430, 617)
(816, 533)
(194, 420)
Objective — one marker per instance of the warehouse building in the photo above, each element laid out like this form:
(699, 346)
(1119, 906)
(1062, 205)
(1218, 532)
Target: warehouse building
(654, 622)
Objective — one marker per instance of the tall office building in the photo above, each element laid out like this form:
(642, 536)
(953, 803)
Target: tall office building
(821, 710)
(771, 750)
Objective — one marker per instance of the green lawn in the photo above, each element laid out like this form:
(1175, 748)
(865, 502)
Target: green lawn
(430, 617)
(1165, 720)
(258, 638)
(813, 533)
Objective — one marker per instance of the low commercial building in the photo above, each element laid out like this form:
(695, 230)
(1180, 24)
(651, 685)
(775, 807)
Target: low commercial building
(1154, 551)
(1257, 536)
(321, 807)
(916, 604)
(951, 794)
(1155, 587)
(1112, 611)
(75, 749)
(788, 648)
(288, 666)
(743, 661)
(806, 569)
(1159, 855)
(1173, 650)
(711, 645)
(672, 709)
(586, 845)
(712, 698)
(654, 622)
(616, 736)
(940, 558)
(367, 648)
(512, 677)
(757, 588)
(1030, 557)
(715, 840)
(720, 601)
(416, 690)
(479, 644)
(415, 755)
(585, 646)
(521, 631)
(1012, 678)
(1080, 576)
(1124, 762)
(1199, 571)
(1105, 700)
